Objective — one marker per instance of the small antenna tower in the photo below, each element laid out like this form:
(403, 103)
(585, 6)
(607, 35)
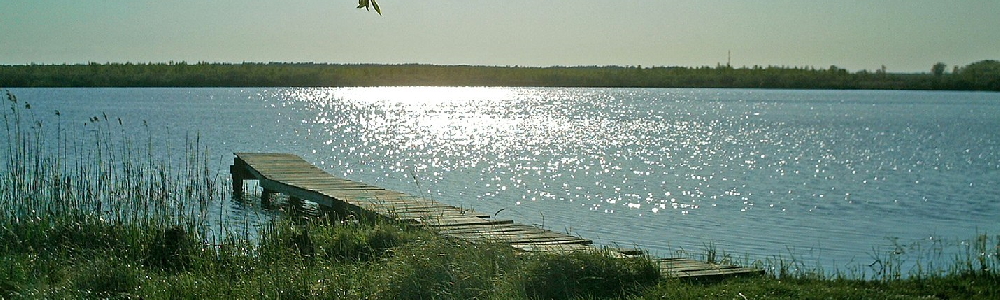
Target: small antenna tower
(729, 58)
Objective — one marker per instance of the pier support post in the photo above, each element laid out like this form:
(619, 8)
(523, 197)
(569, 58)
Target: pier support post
(265, 197)
(237, 173)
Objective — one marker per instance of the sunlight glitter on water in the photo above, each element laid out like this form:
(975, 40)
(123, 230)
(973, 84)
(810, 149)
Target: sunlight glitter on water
(753, 171)
(518, 128)
(708, 155)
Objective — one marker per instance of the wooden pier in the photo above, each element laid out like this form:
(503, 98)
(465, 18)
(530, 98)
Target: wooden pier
(289, 174)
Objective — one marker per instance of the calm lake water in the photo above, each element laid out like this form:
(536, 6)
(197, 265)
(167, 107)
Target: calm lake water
(828, 177)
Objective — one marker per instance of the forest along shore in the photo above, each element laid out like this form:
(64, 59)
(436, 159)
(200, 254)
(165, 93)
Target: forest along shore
(983, 75)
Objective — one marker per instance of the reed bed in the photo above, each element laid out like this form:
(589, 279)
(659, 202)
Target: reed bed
(102, 215)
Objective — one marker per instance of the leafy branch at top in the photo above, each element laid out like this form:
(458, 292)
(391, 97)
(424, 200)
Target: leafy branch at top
(369, 4)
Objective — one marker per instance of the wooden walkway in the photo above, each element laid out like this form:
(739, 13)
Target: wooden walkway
(289, 174)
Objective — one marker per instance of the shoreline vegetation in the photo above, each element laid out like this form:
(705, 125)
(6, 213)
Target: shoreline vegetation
(983, 76)
(101, 216)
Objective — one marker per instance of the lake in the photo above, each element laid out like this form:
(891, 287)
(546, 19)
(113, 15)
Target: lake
(829, 178)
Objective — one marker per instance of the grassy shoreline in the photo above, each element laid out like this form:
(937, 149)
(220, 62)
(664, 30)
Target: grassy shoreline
(110, 221)
(326, 258)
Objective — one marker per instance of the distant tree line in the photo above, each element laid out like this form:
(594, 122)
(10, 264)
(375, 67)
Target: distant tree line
(983, 75)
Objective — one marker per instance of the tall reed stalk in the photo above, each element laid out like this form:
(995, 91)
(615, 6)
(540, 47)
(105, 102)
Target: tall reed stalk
(100, 178)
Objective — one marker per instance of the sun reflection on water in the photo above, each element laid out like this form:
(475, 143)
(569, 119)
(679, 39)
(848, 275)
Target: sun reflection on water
(670, 156)
(755, 171)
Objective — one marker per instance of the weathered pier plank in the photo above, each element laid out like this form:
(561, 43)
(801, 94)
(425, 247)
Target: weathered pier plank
(289, 174)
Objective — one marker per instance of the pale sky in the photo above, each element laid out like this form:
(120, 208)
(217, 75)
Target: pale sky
(903, 35)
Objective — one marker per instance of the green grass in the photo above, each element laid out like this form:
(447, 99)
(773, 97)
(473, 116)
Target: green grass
(101, 218)
(766, 287)
(318, 259)
(379, 260)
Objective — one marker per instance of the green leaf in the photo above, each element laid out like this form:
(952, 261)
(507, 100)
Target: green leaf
(368, 4)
